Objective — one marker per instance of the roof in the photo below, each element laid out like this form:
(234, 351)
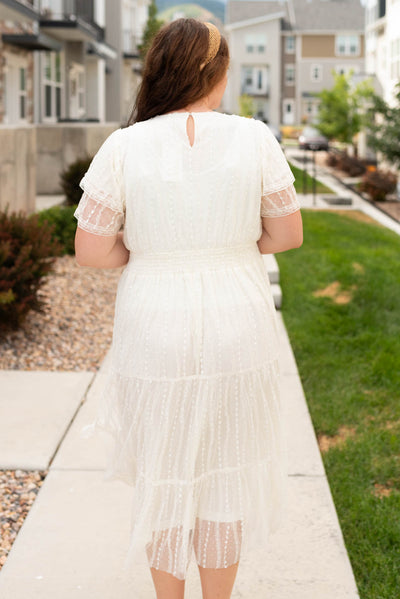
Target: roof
(328, 15)
(304, 15)
(243, 10)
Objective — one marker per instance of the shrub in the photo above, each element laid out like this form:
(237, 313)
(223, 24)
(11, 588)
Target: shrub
(71, 177)
(27, 254)
(290, 132)
(378, 184)
(351, 165)
(64, 226)
(331, 159)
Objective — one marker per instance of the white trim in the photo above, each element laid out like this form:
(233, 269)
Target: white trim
(254, 21)
(13, 93)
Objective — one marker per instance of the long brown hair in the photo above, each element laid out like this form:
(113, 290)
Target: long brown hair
(172, 78)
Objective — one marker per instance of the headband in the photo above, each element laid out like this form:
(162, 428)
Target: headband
(214, 41)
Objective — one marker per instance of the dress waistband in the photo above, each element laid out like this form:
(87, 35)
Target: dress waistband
(195, 258)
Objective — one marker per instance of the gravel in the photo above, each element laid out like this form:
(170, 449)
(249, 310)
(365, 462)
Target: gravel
(18, 490)
(73, 333)
(75, 330)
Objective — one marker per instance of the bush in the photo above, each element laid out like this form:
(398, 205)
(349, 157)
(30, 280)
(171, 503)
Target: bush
(290, 132)
(64, 226)
(71, 177)
(350, 165)
(378, 184)
(331, 159)
(27, 254)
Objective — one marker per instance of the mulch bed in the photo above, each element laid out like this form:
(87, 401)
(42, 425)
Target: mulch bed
(390, 207)
(73, 333)
(75, 330)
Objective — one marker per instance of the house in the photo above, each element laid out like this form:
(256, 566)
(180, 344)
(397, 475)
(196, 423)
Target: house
(382, 44)
(18, 21)
(302, 40)
(74, 67)
(69, 69)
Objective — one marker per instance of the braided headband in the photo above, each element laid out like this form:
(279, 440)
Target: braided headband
(214, 41)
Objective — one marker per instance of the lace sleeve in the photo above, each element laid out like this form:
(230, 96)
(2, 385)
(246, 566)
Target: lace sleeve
(96, 217)
(276, 175)
(280, 203)
(101, 209)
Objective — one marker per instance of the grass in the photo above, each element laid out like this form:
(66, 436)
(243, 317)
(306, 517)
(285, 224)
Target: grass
(341, 306)
(298, 173)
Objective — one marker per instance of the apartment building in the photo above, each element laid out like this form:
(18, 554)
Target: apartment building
(382, 44)
(17, 21)
(306, 41)
(69, 60)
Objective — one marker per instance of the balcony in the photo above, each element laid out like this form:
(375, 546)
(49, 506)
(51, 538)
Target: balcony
(72, 21)
(130, 45)
(255, 92)
(14, 10)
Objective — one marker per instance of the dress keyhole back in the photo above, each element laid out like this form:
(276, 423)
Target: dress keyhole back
(190, 130)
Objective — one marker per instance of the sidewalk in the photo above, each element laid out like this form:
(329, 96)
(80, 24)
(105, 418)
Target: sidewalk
(358, 203)
(73, 541)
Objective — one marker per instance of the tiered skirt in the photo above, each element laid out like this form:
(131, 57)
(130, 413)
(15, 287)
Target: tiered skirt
(192, 401)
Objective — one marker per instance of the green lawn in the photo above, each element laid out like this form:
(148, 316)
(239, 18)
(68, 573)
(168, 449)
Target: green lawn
(341, 306)
(298, 173)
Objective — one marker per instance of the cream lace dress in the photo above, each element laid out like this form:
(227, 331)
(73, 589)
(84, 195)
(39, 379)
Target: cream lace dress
(192, 393)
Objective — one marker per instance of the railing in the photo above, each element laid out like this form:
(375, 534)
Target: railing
(70, 10)
(67, 9)
(251, 90)
(130, 43)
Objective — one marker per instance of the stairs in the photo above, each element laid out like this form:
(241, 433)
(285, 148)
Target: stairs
(272, 269)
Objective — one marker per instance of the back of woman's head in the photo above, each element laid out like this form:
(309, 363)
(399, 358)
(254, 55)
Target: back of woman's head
(174, 75)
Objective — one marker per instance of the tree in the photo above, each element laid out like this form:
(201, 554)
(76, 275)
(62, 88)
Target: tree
(384, 126)
(152, 27)
(341, 108)
(246, 105)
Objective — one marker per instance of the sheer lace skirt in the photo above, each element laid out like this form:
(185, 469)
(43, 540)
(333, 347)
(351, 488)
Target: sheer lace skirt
(192, 401)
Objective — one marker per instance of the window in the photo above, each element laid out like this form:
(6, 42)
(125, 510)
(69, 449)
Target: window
(290, 44)
(255, 80)
(316, 72)
(289, 74)
(22, 93)
(347, 45)
(259, 79)
(248, 80)
(52, 86)
(255, 43)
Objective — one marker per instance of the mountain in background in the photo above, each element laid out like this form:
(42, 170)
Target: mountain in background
(167, 9)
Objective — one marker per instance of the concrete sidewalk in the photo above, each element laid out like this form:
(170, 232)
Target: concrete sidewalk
(357, 202)
(73, 541)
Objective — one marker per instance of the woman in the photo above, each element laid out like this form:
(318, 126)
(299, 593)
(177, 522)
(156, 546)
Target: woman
(192, 396)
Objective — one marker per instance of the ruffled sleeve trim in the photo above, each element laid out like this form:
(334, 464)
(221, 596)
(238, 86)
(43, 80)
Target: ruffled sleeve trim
(280, 203)
(97, 217)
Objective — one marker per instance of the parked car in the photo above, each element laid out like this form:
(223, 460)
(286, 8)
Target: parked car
(311, 139)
